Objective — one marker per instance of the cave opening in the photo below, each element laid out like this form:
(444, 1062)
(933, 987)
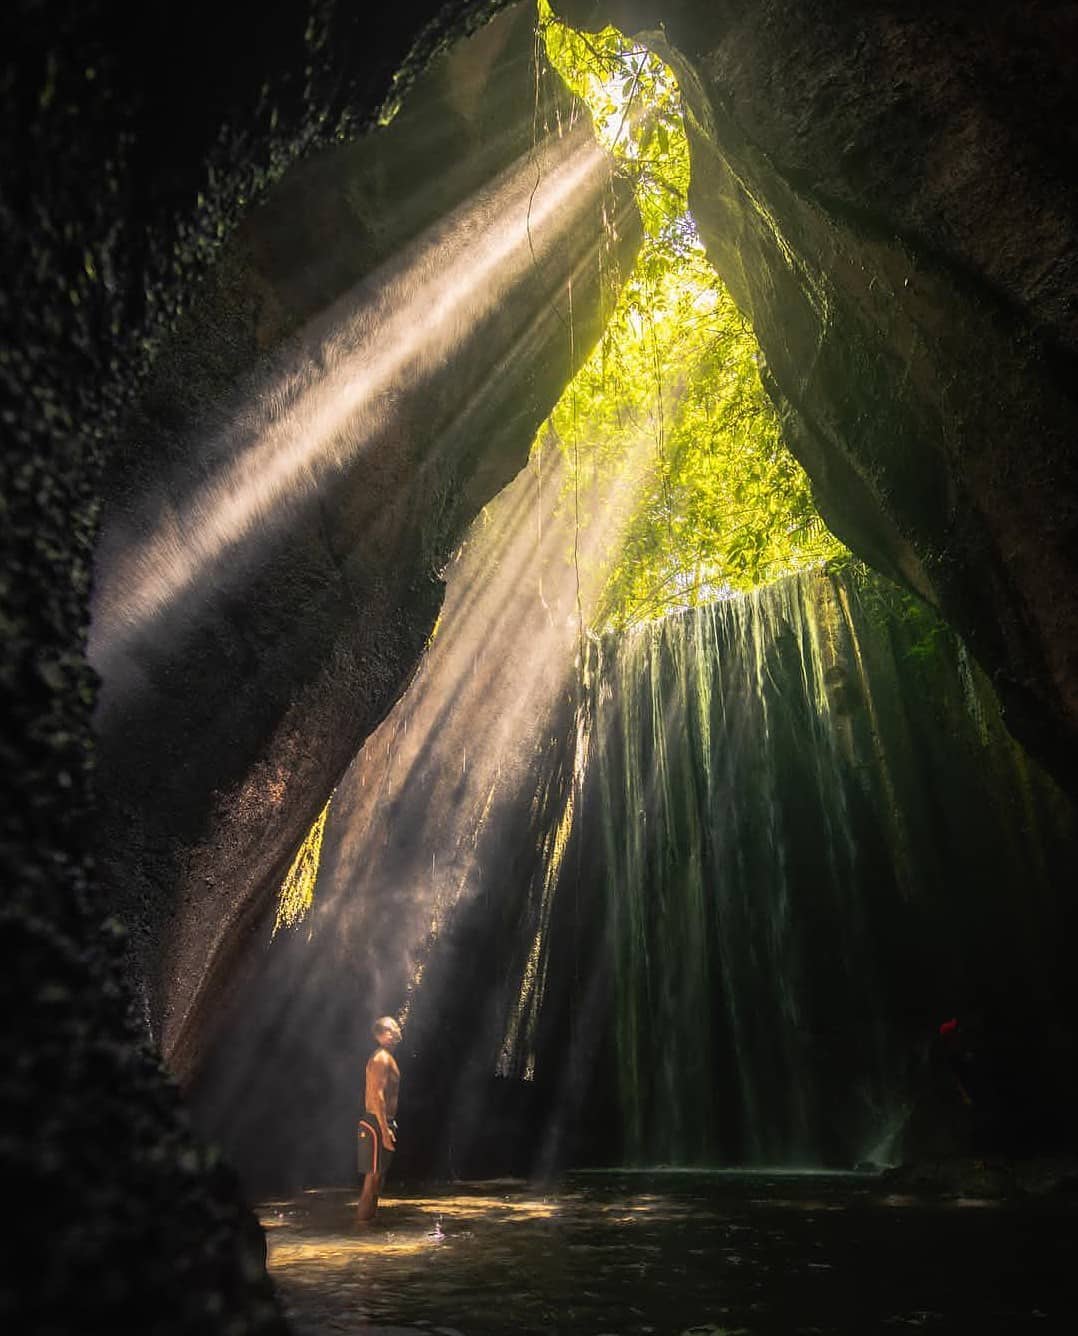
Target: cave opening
(474, 651)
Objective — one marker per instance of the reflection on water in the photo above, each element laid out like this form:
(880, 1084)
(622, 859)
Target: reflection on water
(671, 1253)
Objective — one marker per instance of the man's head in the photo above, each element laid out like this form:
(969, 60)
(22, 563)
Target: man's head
(386, 1032)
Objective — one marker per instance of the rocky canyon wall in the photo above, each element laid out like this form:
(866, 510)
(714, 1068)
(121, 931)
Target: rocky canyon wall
(411, 288)
(137, 139)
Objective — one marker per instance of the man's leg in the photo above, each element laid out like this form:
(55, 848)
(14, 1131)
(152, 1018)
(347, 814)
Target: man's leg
(368, 1198)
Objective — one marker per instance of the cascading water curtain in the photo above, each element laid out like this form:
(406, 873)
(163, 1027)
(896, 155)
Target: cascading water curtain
(785, 884)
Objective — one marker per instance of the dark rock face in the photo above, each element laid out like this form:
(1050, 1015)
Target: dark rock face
(889, 193)
(136, 140)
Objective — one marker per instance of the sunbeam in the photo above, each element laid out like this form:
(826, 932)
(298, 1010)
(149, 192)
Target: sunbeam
(310, 421)
(428, 818)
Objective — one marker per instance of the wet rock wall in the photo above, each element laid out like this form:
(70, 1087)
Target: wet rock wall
(709, 910)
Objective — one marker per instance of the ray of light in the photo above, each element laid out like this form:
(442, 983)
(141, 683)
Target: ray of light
(418, 825)
(388, 335)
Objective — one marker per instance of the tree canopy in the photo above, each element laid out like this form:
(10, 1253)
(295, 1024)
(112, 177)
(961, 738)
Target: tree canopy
(671, 399)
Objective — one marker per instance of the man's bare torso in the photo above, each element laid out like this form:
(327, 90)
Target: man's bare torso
(382, 1078)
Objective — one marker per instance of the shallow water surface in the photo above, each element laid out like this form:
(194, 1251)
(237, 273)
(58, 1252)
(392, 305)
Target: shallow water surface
(754, 1254)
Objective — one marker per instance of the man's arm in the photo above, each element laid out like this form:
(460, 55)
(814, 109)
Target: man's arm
(376, 1096)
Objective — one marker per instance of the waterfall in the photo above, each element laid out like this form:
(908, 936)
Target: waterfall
(811, 829)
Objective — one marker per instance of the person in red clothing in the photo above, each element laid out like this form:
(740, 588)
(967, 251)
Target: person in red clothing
(980, 1070)
(953, 1048)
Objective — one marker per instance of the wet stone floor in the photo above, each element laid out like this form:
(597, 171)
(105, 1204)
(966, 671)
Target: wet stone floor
(703, 1253)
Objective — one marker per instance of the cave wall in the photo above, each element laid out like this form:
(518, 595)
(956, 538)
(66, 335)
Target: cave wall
(226, 719)
(136, 140)
(889, 192)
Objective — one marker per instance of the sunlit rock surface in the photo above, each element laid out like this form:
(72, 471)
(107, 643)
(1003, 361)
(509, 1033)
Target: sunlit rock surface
(436, 828)
(891, 198)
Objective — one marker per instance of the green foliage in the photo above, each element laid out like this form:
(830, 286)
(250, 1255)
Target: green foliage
(635, 106)
(725, 507)
(297, 890)
(669, 437)
(897, 611)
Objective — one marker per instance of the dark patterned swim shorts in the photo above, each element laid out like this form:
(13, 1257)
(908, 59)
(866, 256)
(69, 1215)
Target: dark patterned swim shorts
(372, 1156)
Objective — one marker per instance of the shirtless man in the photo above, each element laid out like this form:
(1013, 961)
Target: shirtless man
(377, 1139)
